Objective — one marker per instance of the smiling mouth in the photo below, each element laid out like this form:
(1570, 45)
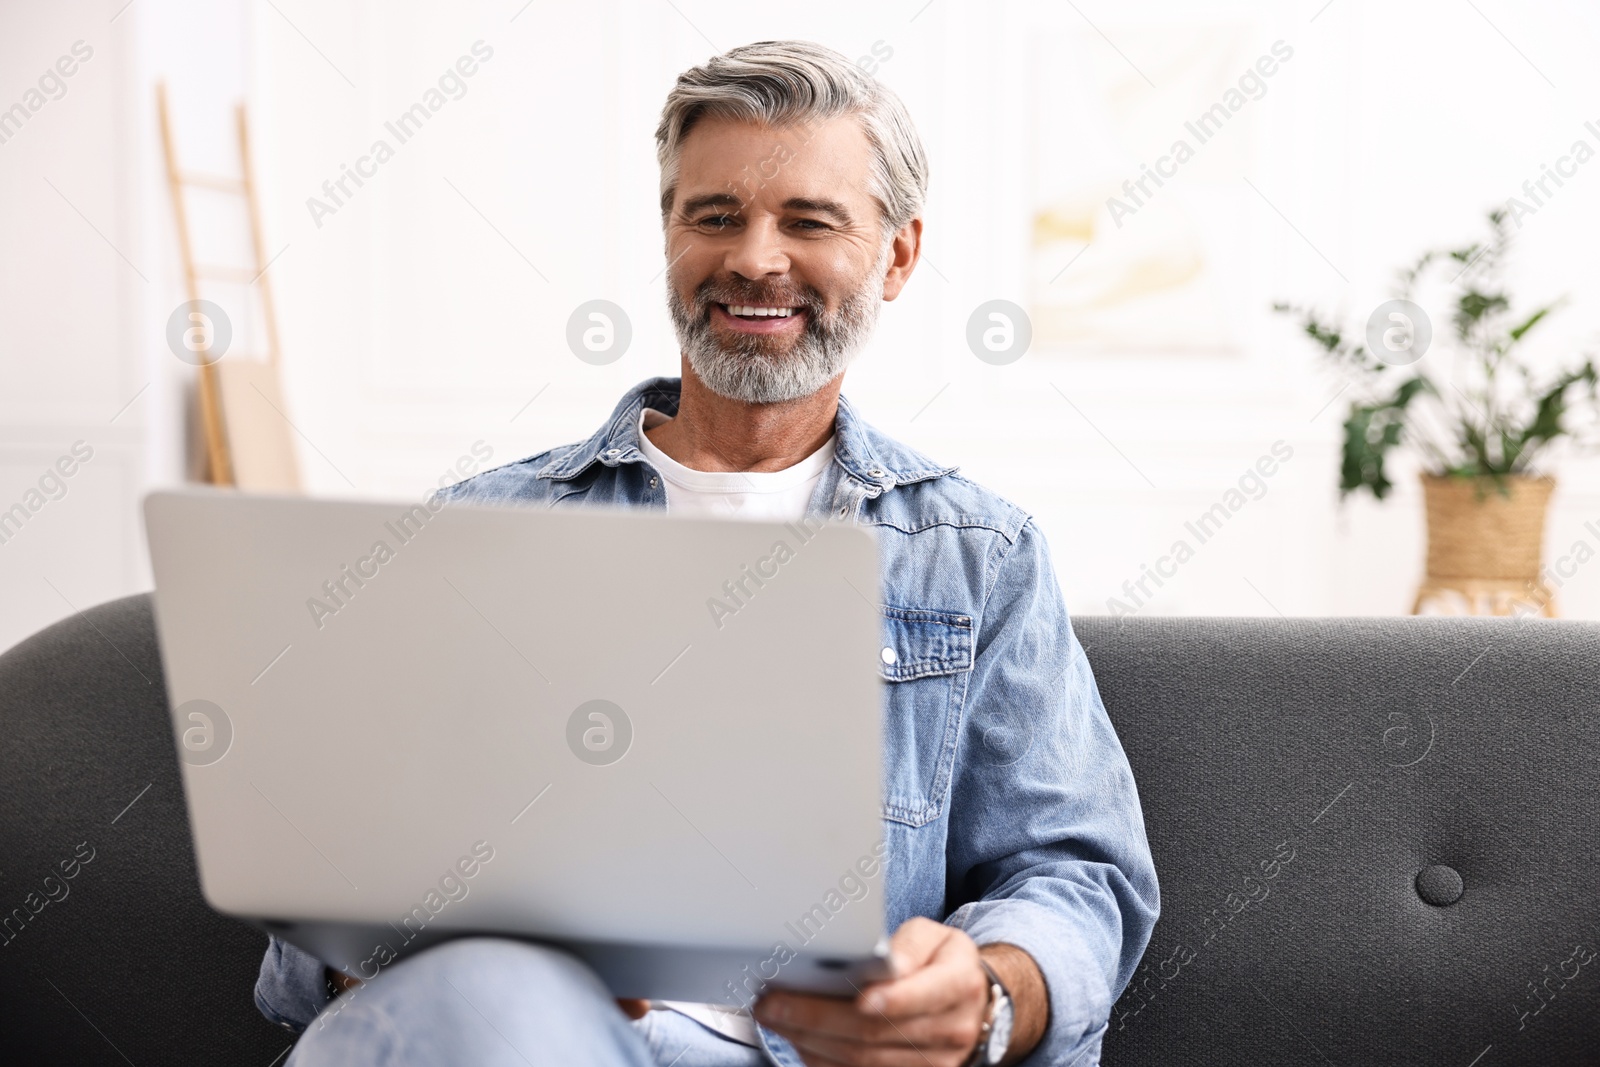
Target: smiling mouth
(759, 319)
(754, 312)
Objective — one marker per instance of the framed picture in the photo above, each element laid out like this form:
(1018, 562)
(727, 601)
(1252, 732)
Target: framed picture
(1140, 202)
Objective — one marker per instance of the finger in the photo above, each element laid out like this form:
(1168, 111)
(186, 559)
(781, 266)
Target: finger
(942, 987)
(953, 1027)
(915, 942)
(633, 1008)
(951, 979)
(925, 1034)
(808, 1013)
(920, 1047)
(911, 949)
(834, 1024)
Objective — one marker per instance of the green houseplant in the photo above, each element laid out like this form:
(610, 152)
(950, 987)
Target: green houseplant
(1479, 417)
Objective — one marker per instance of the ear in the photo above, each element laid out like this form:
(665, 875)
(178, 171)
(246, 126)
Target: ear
(903, 258)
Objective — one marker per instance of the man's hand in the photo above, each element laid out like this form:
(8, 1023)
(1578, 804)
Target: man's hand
(633, 1007)
(930, 1016)
(341, 981)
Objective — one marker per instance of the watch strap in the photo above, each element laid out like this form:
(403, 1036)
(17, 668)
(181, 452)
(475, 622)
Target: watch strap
(997, 990)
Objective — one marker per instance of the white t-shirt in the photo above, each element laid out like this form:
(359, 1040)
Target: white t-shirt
(766, 496)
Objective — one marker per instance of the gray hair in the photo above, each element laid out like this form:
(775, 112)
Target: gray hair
(782, 83)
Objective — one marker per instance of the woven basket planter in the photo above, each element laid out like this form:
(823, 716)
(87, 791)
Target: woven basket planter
(1485, 546)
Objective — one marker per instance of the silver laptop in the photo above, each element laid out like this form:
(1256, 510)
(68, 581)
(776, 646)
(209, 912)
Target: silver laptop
(652, 741)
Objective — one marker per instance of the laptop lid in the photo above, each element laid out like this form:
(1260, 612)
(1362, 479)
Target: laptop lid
(617, 731)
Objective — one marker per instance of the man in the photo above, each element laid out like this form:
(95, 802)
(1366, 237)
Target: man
(1019, 883)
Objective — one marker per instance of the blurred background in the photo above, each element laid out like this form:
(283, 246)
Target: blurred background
(421, 313)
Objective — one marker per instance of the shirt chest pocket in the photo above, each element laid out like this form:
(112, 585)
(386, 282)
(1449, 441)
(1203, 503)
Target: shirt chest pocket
(926, 659)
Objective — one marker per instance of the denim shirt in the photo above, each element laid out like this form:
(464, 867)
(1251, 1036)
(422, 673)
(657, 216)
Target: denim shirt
(1009, 809)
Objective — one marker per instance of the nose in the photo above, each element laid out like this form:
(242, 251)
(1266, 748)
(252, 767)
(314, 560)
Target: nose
(758, 251)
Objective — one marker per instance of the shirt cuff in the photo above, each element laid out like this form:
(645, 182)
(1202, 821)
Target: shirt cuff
(292, 987)
(1077, 988)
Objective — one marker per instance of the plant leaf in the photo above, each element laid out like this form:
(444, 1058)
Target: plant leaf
(1549, 415)
(1371, 431)
(1531, 321)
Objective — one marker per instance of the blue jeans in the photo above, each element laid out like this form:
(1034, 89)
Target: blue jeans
(492, 1002)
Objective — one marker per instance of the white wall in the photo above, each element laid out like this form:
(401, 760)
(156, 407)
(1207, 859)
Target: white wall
(424, 314)
(88, 275)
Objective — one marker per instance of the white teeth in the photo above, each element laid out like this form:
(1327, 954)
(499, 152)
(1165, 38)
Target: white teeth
(765, 312)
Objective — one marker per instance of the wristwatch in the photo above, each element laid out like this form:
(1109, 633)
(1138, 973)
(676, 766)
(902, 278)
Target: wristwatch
(995, 1036)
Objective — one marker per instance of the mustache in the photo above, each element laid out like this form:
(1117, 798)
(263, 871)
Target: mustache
(715, 292)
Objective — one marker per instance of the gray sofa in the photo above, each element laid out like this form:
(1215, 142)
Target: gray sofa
(1377, 843)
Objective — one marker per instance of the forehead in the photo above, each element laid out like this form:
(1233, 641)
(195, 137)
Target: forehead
(760, 163)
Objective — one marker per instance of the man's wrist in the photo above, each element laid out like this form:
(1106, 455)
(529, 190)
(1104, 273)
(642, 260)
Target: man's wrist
(1030, 1002)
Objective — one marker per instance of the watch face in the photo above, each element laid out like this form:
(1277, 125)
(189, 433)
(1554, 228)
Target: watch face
(999, 1030)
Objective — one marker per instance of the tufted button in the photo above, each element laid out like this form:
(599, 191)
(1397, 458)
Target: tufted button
(1439, 885)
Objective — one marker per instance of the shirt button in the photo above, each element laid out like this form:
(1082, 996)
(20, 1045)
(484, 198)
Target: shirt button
(875, 473)
(843, 512)
(613, 451)
(887, 655)
(652, 483)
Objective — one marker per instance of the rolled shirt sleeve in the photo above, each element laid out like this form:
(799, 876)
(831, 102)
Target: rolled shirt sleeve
(292, 986)
(1047, 843)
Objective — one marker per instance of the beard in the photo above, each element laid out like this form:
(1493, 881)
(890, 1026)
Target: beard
(757, 369)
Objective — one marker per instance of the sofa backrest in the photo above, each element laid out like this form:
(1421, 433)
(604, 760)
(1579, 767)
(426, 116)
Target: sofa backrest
(109, 953)
(1298, 776)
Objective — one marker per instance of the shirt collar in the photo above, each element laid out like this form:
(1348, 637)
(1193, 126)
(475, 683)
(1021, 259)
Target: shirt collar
(867, 455)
